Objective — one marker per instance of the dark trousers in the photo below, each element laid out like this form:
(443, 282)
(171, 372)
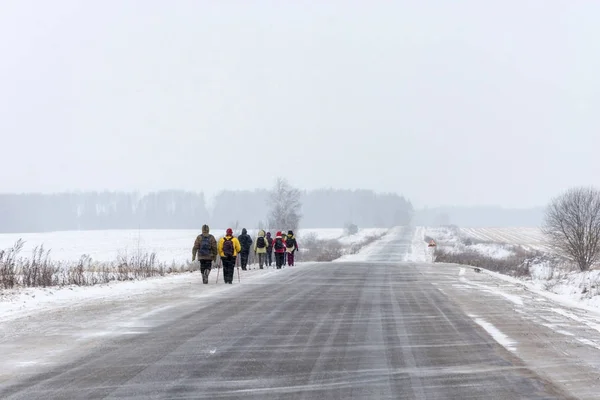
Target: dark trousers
(290, 259)
(244, 259)
(228, 267)
(205, 265)
(269, 258)
(279, 257)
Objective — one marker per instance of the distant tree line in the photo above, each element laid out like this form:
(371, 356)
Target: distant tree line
(173, 209)
(100, 210)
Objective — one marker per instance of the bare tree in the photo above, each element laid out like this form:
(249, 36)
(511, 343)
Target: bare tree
(572, 225)
(284, 203)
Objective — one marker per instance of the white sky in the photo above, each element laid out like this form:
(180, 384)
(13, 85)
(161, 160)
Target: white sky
(458, 103)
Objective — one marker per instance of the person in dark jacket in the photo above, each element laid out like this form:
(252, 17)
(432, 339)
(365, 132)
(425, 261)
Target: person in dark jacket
(246, 243)
(269, 249)
(205, 247)
(291, 245)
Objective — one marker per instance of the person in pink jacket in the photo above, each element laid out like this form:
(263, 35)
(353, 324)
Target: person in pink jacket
(279, 249)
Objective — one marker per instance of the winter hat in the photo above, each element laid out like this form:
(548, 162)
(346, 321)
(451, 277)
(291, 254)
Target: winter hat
(244, 231)
(279, 233)
(268, 234)
(205, 228)
(229, 232)
(290, 233)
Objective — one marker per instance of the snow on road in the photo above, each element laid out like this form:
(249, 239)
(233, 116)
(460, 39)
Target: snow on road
(75, 316)
(559, 336)
(489, 289)
(419, 249)
(376, 249)
(23, 302)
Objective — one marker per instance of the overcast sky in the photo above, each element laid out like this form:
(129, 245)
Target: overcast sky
(454, 103)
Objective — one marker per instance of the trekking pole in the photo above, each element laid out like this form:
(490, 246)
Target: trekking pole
(218, 270)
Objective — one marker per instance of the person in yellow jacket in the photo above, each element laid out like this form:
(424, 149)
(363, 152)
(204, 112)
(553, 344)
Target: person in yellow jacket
(228, 248)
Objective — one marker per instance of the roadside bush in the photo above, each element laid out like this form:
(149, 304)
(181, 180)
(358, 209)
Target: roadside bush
(516, 265)
(331, 250)
(315, 249)
(8, 265)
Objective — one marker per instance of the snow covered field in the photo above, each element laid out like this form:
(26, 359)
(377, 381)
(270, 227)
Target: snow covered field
(527, 237)
(454, 241)
(169, 245)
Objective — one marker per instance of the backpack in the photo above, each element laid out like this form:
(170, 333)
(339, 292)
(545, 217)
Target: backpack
(228, 249)
(245, 241)
(291, 243)
(260, 243)
(279, 244)
(205, 249)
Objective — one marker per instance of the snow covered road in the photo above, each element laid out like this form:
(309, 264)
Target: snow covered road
(347, 330)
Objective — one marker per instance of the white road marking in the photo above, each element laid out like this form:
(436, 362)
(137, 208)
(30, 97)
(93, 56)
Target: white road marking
(497, 334)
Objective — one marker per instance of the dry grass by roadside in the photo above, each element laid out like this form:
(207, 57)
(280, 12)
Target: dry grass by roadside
(515, 265)
(40, 270)
(315, 249)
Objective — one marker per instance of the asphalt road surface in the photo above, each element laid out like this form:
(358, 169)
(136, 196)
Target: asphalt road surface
(366, 330)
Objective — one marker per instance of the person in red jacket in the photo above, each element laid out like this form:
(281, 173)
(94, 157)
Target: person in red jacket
(279, 249)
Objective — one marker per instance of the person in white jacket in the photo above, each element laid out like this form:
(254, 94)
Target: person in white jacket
(260, 248)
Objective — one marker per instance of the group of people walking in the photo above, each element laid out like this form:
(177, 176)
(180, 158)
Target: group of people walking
(206, 249)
